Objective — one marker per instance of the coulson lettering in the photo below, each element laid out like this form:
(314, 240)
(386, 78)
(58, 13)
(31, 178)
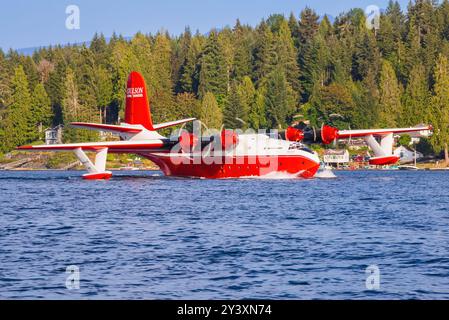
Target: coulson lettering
(134, 92)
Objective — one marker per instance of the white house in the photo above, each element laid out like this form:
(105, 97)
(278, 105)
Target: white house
(53, 135)
(406, 155)
(336, 156)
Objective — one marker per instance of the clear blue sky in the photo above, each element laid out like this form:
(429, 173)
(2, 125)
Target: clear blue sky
(30, 23)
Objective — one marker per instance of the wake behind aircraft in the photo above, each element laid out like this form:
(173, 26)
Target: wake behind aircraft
(225, 154)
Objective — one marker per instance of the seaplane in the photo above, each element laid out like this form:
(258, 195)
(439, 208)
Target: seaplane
(224, 154)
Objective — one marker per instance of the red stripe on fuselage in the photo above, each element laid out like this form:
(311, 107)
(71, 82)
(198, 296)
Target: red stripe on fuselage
(242, 166)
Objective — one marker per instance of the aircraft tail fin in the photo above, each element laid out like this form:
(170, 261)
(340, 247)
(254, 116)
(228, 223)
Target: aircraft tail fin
(137, 109)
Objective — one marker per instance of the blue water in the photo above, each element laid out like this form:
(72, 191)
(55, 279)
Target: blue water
(141, 235)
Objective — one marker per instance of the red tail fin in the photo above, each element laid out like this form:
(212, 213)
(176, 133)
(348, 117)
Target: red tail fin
(137, 109)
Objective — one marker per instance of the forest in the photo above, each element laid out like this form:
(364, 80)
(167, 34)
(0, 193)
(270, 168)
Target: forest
(300, 67)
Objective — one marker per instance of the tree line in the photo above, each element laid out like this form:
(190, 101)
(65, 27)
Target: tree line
(283, 69)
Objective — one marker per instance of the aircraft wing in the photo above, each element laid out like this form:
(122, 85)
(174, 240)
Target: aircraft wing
(112, 146)
(344, 134)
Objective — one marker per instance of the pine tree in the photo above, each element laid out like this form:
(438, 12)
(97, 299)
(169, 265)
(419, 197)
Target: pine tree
(242, 65)
(18, 125)
(103, 93)
(188, 81)
(72, 111)
(186, 105)
(55, 88)
(440, 107)
(287, 55)
(247, 97)
(279, 100)
(265, 56)
(308, 27)
(444, 19)
(390, 97)
(41, 107)
(212, 73)
(233, 112)
(86, 83)
(210, 113)
(99, 48)
(4, 81)
(294, 27)
(180, 51)
(122, 61)
(416, 98)
(142, 51)
(161, 91)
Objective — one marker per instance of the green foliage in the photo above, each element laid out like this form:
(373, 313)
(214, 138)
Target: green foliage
(41, 107)
(279, 100)
(405, 140)
(440, 105)
(233, 113)
(390, 97)
(58, 160)
(212, 74)
(210, 113)
(18, 127)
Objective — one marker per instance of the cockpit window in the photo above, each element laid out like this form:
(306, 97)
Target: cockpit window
(299, 146)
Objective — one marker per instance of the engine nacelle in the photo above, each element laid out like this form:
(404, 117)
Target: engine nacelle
(229, 139)
(188, 141)
(294, 134)
(326, 134)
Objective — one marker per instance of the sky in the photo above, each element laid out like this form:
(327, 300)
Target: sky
(27, 23)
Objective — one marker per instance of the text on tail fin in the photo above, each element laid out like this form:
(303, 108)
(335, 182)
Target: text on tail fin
(137, 109)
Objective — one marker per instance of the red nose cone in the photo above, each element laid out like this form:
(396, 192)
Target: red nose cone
(293, 134)
(328, 134)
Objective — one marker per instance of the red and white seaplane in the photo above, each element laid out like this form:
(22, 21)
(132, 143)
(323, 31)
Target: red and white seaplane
(225, 154)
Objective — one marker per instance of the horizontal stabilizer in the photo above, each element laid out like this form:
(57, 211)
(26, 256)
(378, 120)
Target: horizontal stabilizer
(106, 127)
(171, 124)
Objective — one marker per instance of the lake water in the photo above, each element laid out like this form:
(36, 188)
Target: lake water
(141, 235)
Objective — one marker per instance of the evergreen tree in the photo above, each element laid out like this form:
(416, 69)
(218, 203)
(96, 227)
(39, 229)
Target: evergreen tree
(188, 82)
(4, 81)
(180, 52)
(18, 128)
(103, 94)
(55, 88)
(73, 111)
(247, 97)
(186, 106)
(233, 112)
(265, 56)
(279, 100)
(416, 98)
(212, 73)
(440, 107)
(308, 27)
(99, 48)
(161, 92)
(210, 113)
(242, 65)
(287, 55)
(41, 107)
(390, 97)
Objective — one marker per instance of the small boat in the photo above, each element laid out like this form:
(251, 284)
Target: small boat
(129, 168)
(408, 167)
